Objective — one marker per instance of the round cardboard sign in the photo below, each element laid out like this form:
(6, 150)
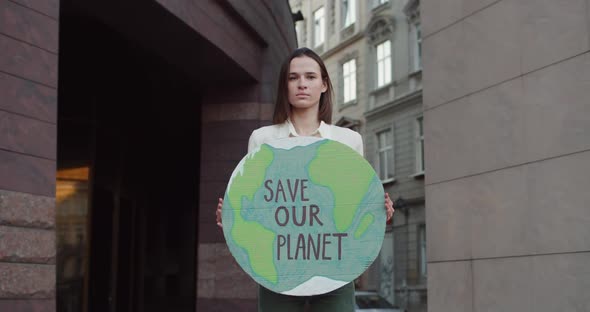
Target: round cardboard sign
(304, 216)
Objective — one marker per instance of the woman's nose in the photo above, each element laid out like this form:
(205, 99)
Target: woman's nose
(302, 84)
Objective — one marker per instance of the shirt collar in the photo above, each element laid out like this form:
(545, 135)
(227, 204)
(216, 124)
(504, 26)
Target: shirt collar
(289, 130)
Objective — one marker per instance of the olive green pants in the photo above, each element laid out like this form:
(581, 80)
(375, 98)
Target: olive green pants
(339, 300)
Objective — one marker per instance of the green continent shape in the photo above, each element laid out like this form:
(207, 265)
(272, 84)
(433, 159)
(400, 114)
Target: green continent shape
(364, 225)
(341, 169)
(251, 235)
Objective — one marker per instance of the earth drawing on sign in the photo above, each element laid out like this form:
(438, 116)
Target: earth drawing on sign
(304, 216)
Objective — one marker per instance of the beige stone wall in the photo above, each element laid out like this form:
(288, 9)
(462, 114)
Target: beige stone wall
(507, 128)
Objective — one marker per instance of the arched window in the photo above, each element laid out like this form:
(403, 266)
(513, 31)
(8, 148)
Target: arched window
(412, 11)
(380, 63)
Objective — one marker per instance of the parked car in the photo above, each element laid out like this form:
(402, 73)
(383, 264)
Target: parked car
(370, 301)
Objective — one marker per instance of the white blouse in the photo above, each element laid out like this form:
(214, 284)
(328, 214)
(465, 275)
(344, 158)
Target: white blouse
(343, 135)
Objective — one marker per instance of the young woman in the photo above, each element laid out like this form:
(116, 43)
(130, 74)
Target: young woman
(304, 108)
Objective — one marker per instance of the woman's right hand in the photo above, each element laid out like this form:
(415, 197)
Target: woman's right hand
(218, 212)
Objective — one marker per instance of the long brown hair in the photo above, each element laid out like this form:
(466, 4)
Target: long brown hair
(282, 105)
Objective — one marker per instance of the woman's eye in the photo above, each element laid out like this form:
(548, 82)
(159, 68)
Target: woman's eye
(292, 78)
(310, 77)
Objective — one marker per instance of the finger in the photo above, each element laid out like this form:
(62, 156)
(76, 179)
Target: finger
(219, 224)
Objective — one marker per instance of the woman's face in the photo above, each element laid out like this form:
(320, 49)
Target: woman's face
(305, 83)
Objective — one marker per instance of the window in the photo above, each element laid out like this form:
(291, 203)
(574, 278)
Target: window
(377, 3)
(349, 12)
(349, 77)
(419, 145)
(383, 63)
(318, 26)
(422, 249)
(299, 34)
(385, 154)
(417, 47)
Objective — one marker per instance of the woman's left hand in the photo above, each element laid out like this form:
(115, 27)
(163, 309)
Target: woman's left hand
(389, 206)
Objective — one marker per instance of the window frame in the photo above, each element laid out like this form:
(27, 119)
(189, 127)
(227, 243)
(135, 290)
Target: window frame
(379, 60)
(419, 144)
(299, 32)
(378, 3)
(319, 26)
(422, 260)
(348, 10)
(350, 77)
(388, 148)
(417, 50)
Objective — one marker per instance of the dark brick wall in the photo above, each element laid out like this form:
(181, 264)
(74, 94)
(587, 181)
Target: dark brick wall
(255, 35)
(28, 113)
(212, 20)
(230, 112)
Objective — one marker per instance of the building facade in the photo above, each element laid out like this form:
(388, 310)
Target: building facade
(507, 130)
(372, 50)
(120, 125)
